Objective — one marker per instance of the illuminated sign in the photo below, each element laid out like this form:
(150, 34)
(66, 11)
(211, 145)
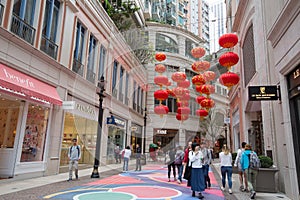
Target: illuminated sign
(263, 93)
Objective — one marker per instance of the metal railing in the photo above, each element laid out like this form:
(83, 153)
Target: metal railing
(49, 47)
(90, 75)
(77, 67)
(22, 29)
(1, 12)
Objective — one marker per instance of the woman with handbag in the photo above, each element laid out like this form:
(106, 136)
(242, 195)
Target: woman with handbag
(187, 169)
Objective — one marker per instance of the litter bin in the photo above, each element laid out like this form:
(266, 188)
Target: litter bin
(143, 159)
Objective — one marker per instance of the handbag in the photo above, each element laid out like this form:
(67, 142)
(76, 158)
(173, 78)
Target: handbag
(187, 172)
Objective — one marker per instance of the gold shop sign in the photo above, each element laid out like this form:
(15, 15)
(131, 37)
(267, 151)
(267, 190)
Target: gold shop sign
(264, 93)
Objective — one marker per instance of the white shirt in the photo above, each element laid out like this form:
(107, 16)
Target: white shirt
(127, 153)
(226, 160)
(196, 160)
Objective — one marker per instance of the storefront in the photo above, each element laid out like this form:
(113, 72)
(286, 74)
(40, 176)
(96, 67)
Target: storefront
(116, 135)
(80, 122)
(136, 136)
(294, 100)
(168, 138)
(25, 118)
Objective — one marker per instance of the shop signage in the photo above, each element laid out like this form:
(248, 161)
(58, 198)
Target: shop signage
(263, 93)
(115, 121)
(162, 132)
(68, 105)
(134, 128)
(110, 120)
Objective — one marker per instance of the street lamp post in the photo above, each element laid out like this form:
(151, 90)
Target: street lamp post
(225, 129)
(101, 85)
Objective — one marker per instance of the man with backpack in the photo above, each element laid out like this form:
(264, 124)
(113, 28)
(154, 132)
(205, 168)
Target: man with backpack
(74, 155)
(250, 164)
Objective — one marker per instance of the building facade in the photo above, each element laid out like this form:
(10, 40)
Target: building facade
(269, 56)
(53, 55)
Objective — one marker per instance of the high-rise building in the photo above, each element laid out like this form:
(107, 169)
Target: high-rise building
(217, 22)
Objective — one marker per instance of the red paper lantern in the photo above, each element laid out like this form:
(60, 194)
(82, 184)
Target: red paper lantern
(229, 79)
(198, 52)
(161, 95)
(228, 40)
(198, 80)
(160, 56)
(185, 84)
(207, 103)
(171, 93)
(202, 113)
(183, 110)
(161, 110)
(181, 117)
(199, 99)
(185, 97)
(178, 76)
(161, 80)
(160, 68)
(182, 104)
(200, 66)
(228, 59)
(209, 75)
(179, 92)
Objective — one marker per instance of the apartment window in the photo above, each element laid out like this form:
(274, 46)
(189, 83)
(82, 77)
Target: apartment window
(142, 101)
(134, 106)
(50, 28)
(114, 78)
(126, 89)
(22, 19)
(91, 75)
(139, 100)
(121, 84)
(78, 51)
(102, 62)
(1, 12)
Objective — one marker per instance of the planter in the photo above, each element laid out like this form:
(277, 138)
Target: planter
(265, 180)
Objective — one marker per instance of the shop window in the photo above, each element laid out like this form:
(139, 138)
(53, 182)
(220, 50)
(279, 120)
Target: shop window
(9, 112)
(35, 134)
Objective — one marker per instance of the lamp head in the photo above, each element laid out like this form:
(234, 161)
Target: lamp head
(101, 83)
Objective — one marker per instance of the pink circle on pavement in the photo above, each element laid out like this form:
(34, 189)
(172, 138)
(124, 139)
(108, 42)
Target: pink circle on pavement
(149, 192)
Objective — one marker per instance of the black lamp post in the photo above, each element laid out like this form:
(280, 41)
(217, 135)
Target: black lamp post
(225, 129)
(101, 84)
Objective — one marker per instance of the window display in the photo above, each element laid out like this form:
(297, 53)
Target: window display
(35, 133)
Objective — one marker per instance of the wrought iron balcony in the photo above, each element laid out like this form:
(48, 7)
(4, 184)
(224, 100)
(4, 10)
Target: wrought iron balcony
(77, 67)
(49, 47)
(22, 29)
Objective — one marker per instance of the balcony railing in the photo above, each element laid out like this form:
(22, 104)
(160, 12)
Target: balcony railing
(115, 93)
(126, 101)
(77, 67)
(49, 47)
(1, 12)
(22, 29)
(90, 75)
(121, 96)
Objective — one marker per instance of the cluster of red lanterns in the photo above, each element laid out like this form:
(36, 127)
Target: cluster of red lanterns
(228, 59)
(161, 81)
(201, 82)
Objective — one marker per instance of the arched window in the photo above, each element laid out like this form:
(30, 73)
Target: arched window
(165, 43)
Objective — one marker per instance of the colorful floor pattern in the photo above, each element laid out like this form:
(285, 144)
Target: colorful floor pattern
(149, 184)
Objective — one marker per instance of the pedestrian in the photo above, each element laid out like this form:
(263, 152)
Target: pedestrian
(250, 162)
(74, 155)
(171, 153)
(206, 162)
(178, 163)
(117, 153)
(187, 170)
(242, 175)
(197, 175)
(127, 154)
(226, 168)
(138, 151)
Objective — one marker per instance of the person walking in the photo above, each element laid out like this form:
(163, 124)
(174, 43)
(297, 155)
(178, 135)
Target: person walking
(197, 175)
(226, 168)
(74, 155)
(171, 163)
(138, 151)
(117, 153)
(178, 163)
(187, 169)
(250, 164)
(206, 162)
(127, 154)
(237, 163)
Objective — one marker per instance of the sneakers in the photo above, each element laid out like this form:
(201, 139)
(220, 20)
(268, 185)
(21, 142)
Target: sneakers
(76, 176)
(222, 188)
(242, 188)
(70, 179)
(252, 195)
(201, 196)
(230, 191)
(178, 181)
